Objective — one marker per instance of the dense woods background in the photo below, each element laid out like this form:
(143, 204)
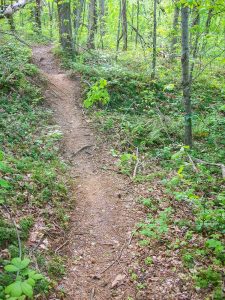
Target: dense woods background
(153, 80)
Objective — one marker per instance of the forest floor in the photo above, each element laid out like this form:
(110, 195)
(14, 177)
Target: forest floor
(99, 244)
(105, 258)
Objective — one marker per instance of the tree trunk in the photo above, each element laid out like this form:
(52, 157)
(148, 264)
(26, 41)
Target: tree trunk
(11, 23)
(50, 11)
(194, 50)
(78, 15)
(137, 16)
(102, 21)
(154, 40)
(92, 26)
(38, 15)
(65, 26)
(175, 30)
(186, 75)
(118, 30)
(124, 24)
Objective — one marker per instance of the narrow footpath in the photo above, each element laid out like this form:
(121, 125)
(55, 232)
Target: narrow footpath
(99, 248)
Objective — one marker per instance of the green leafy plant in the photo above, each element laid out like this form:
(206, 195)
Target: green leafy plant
(98, 94)
(156, 227)
(24, 279)
(207, 277)
(148, 261)
(126, 162)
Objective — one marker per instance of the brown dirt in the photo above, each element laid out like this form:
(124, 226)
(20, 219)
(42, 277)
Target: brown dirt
(104, 214)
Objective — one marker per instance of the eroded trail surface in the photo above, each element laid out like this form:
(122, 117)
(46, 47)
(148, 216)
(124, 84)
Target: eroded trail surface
(103, 218)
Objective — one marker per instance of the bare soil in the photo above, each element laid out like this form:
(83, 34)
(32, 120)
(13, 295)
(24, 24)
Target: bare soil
(99, 243)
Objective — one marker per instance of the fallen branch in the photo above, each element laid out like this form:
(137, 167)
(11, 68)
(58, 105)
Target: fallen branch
(81, 149)
(137, 163)
(193, 164)
(200, 161)
(61, 246)
(12, 8)
(120, 254)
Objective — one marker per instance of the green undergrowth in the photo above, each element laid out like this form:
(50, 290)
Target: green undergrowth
(33, 181)
(143, 121)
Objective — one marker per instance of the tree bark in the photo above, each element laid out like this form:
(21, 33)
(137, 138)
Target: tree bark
(102, 21)
(38, 14)
(195, 46)
(92, 25)
(78, 15)
(186, 75)
(124, 24)
(11, 23)
(175, 29)
(118, 29)
(154, 39)
(50, 11)
(137, 21)
(65, 26)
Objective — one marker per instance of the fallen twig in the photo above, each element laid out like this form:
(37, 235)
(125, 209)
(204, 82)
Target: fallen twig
(38, 244)
(193, 164)
(137, 163)
(61, 246)
(222, 166)
(92, 294)
(81, 149)
(119, 256)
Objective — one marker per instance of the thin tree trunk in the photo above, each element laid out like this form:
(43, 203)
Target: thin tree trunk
(209, 18)
(132, 20)
(186, 75)
(50, 11)
(38, 14)
(175, 30)
(154, 39)
(65, 26)
(78, 15)
(137, 21)
(194, 50)
(118, 30)
(102, 21)
(124, 24)
(92, 26)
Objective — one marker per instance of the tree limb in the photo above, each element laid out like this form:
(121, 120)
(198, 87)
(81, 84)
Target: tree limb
(10, 9)
(222, 166)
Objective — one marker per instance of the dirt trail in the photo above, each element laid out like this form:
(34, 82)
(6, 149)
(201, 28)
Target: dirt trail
(104, 214)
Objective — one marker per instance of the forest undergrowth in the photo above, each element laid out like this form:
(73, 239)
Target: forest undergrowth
(33, 182)
(183, 198)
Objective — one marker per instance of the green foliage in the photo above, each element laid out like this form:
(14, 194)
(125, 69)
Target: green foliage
(208, 277)
(148, 261)
(156, 227)
(23, 280)
(98, 94)
(126, 162)
(31, 172)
